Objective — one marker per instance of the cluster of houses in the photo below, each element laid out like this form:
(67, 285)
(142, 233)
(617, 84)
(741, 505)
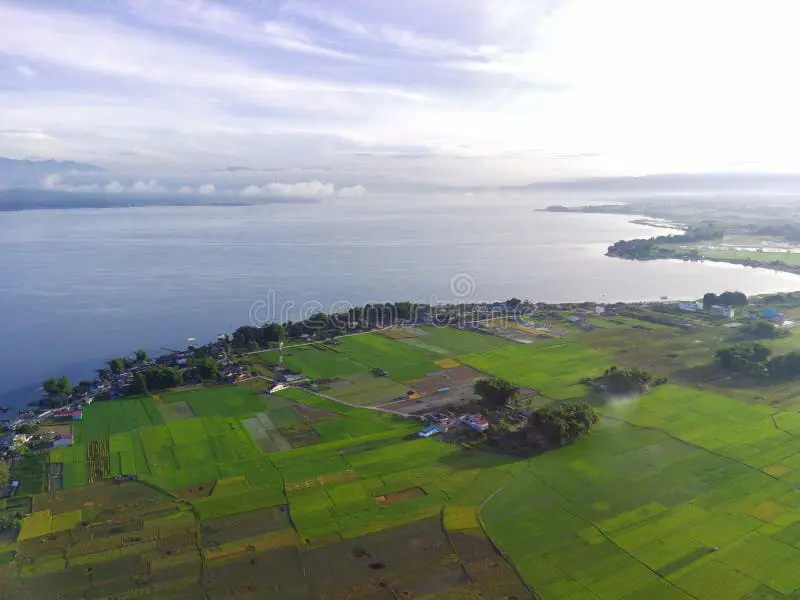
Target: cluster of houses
(727, 312)
(716, 309)
(16, 437)
(445, 420)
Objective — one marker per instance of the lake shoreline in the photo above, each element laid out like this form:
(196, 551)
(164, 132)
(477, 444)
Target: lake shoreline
(79, 292)
(658, 221)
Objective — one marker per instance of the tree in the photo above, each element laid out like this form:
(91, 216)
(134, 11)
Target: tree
(57, 387)
(557, 426)
(724, 299)
(748, 359)
(761, 329)
(709, 300)
(141, 355)
(245, 336)
(117, 365)
(139, 385)
(732, 299)
(206, 366)
(626, 380)
(104, 373)
(785, 366)
(252, 346)
(496, 392)
(156, 378)
(4, 474)
(82, 388)
(28, 428)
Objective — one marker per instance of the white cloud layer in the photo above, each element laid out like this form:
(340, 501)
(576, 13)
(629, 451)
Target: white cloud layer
(303, 189)
(148, 187)
(455, 93)
(114, 187)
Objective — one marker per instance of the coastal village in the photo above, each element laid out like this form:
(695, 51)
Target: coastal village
(275, 455)
(441, 410)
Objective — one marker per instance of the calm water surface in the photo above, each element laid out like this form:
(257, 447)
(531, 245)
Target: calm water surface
(80, 286)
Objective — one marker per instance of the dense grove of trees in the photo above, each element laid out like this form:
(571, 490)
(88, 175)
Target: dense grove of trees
(555, 426)
(784, 366)
(156, 378)
(753, 359)
(205, 366)
(646, 248)
(789, 231)
(620, 380)
(322, 325)
(724, 299)
(496, 392)
(262, 336)
(748, 359)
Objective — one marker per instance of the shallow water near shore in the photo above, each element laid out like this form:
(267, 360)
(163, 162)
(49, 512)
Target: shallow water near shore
(80, 286)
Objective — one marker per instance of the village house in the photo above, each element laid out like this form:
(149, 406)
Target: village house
(476, 422)
(690, 306)
(292, 377)
(67, 413)
(723, 311)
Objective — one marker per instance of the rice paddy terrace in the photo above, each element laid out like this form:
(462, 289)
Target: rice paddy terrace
(690, 491)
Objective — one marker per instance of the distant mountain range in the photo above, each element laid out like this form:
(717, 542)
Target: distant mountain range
(26, 173)
(30, 199)
(679, 183)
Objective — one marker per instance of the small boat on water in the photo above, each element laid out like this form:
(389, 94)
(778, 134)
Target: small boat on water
(3, 408)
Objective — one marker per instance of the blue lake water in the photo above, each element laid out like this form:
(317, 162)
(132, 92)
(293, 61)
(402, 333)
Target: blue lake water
(80, 286)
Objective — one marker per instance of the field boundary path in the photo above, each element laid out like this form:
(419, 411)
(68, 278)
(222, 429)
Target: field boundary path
(491, 540)
(316, 341)
(343, 403)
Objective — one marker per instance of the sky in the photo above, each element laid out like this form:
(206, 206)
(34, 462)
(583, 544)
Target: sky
(338, 97)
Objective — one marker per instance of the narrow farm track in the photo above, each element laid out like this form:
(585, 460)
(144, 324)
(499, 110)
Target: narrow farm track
(343, 403)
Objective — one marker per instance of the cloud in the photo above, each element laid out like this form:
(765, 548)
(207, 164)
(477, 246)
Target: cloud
(204, 189)
(476, 92)
(114, 187)
(303, 189)
(294, 39)
(151, 186)
(238, 27)
(352, 192)
(25, 70)
(386, 33)
(51, 182)
(55, 182)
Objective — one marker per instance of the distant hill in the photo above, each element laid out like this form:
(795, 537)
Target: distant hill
(36, 199)
(24, 173)
(679, 182)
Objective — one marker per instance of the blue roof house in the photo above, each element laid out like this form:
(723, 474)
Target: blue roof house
(429, 431)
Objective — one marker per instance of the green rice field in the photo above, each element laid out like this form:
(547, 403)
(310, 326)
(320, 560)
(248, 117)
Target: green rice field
(686, 492)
